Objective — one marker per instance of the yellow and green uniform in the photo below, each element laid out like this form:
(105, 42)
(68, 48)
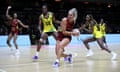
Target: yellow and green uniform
(102, 28)
(97, 32)
(48, 23)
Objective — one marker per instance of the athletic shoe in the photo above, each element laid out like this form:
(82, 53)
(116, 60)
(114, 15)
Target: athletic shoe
(70, 58)
(17, 53)
(114, 55)
(90, 53)
(56, 64)
(35, 57)
(65, 58)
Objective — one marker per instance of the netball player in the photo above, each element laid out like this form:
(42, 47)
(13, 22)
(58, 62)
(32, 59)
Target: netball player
(46, 21)
(65, 36)
(103, 30)
(14, 22)
(94, 28)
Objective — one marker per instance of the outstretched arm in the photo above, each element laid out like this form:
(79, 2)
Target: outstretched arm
(7, 13)
(25, 26)
(64, 31)
(83, 27)
(54, 19)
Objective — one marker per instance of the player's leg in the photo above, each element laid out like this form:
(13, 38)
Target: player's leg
(15, 44)
(55, 35)
(39, 44)
(40, 40)
(60, 52)
(105, 42)
(57, 49)
(9, 39)
(86, 41)
(14, 41)
(101, 44)
(44, 37)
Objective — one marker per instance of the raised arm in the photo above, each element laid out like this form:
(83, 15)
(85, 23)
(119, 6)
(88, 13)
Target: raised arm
(7, 13)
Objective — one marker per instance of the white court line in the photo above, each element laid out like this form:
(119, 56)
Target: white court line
(1, 70)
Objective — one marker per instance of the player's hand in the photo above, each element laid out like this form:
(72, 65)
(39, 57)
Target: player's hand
(9, 7)
(75, 33)
(27, 26)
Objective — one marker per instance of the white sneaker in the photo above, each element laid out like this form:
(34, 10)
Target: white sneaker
(11, 49)
(90, 53)
(17, 53)
(114, 55)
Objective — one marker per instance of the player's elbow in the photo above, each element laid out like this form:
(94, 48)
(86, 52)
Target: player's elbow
(6, 15)
(64, 32)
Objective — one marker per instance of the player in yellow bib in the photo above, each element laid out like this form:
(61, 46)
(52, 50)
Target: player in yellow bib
(97, 33)
(48, 23)
(95, 29)
(46, 20)
(103, 30)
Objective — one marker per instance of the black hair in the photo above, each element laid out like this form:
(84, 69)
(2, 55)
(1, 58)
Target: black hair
(45, 5)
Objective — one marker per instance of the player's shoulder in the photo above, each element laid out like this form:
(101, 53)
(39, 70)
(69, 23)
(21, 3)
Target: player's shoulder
(51, 13)
(18, 20)
(104, 23)
(41, 15)
(93, 22)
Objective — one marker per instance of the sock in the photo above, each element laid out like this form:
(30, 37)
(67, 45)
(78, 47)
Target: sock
(37, 53)
(57, 60)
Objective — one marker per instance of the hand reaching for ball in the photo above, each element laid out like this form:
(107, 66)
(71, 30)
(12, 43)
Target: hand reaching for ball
(75, 32)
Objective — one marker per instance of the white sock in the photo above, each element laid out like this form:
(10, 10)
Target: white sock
(37, 53)
(57, 60)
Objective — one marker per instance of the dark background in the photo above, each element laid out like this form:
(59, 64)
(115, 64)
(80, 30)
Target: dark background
(29, 10)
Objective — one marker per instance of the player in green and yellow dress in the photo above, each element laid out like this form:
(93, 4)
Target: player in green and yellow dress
(46, 20)
(103, 30)
(96, 31)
